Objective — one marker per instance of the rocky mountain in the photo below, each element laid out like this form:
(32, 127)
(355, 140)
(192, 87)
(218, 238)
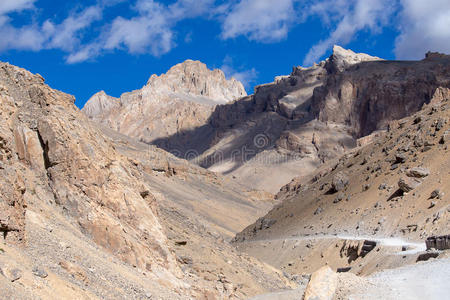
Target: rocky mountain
(369, 210)
(86, 212)
(295, 124)
(180, 100)
(93, 206)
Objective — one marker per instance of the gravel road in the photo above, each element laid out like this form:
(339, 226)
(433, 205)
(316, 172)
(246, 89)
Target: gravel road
(427, 280)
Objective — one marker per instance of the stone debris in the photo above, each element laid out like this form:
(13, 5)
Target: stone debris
(436, 194)
(39, 272)
(14, 274)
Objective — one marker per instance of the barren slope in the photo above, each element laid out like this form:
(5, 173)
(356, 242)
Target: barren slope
(295, 124)
(393, 192)
(88, 213)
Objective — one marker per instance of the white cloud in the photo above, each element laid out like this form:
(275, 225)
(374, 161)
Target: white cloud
(247, 77)
(35, 37)
(25, 38)
(7, 6)
(29, 37)
(151, 31)
(359, 15)
(188, 37)
(262, 20)
(66, 34)
(425, 26)
(83, 54)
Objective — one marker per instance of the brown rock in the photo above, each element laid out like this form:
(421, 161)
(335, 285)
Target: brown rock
(407, 184)
(418, 172)
(322, 285)
(75, 271)
(339, 182)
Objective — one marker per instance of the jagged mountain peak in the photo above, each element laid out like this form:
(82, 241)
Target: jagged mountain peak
(342, 58)
(190, 80)
(100, 103)
(193, 78)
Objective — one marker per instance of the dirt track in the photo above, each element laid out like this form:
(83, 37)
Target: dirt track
(428, 280)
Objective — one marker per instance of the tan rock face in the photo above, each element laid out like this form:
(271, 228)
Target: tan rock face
(396, 187)
(178, 101)
(49, 144)
(107, 216)
(368, 95)
(322, 285)
(195, 79)
(341, 59)
(305, 119)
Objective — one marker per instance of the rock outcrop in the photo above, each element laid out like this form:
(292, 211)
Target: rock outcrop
(387, 194)
(103, 212)
(311, 116)
(322, 285)
(180, 100)
(54, 155)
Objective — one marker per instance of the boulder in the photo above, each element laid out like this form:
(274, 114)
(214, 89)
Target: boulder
(436, 194)
(418, 172)
(400, 158)
(407, 184)
(322, 285)
(340, 181)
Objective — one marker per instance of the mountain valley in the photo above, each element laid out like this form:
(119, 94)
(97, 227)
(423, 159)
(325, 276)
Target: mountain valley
(324, 184)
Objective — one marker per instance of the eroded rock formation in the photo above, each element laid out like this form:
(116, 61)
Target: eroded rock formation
(303, 120)
(180, 100)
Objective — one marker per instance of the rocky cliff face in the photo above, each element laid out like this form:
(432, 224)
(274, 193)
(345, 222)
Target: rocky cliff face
(180, 100)
(52, 154)
(368, 95)
(288, 127)
(394, 186)
(96, 214)
(311, 116)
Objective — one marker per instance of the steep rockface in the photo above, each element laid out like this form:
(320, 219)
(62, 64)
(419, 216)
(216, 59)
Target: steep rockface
(180, 100)
(309, 117)
(387, 196)
(88, 213)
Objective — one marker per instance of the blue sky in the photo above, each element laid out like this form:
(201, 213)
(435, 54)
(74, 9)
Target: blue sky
(81, 47)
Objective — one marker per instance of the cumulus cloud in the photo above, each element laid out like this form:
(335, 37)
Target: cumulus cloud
(356, 16)
(66, 35)
(262, 20)
(148, 33)
(7, 6)
(151, 31)
(48, 35)
(424, 26)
